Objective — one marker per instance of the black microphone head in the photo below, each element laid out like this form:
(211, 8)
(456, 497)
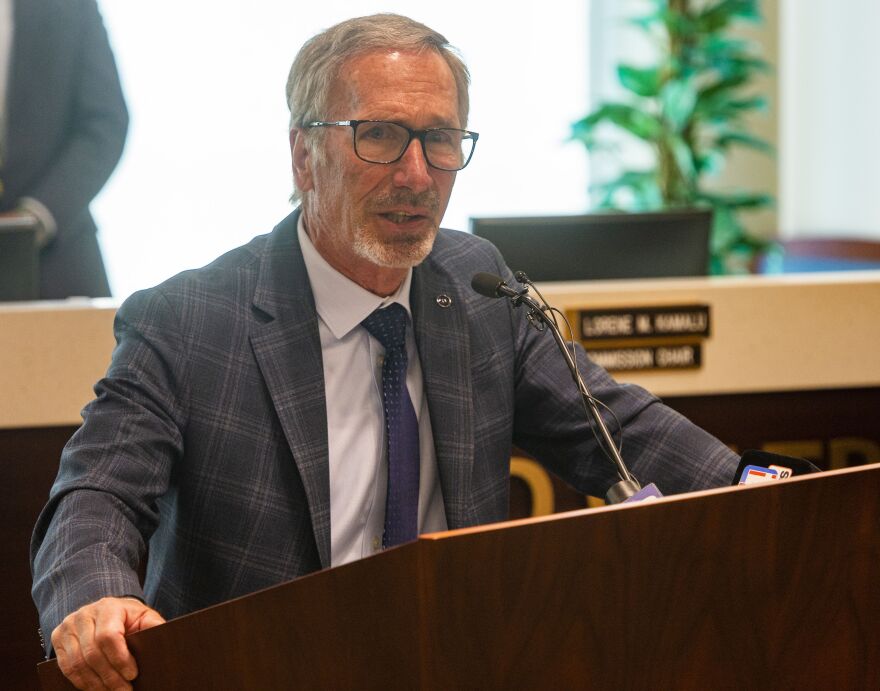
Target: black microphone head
(522, 277)
(487, 284)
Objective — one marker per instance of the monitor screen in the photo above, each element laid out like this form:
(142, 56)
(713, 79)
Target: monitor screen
(602, 246)
(19, 270)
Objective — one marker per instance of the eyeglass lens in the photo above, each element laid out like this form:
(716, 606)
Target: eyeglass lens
(383, 142)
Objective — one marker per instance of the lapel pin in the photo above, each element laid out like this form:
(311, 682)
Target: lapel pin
(444, 300)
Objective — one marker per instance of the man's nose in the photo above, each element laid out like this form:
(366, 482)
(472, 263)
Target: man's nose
(412, 168)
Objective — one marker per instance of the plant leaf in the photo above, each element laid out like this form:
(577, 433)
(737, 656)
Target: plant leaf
(641, 81)
(634, 120)
(722, 87)
(738, 200)
(645, 23)
(633, 190)
(728, 139)
(710, 161)
(689, 105)
(680, 25)
(684, 158)
(723, 109)
(730, 55)
(718, 16)
(726, 228)
(678, 98)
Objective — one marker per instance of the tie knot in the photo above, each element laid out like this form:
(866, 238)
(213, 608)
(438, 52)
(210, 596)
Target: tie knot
(388, 326)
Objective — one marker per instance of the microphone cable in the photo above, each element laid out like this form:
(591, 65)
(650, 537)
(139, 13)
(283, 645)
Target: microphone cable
(523, 279)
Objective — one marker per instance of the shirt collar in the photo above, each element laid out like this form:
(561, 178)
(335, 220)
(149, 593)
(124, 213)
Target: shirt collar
(341, 303)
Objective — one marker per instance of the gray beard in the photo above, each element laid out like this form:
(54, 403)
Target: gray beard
(403, 254)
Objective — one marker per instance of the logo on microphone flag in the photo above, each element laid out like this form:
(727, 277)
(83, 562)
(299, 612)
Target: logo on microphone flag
(782, 471)
(753, 474)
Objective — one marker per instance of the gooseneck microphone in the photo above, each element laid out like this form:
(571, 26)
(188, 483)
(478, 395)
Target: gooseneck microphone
(493, 286)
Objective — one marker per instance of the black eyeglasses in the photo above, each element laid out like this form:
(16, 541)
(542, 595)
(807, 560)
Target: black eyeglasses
(377, 141)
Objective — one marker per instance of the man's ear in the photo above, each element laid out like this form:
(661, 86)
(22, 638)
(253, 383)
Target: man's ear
(301, 160)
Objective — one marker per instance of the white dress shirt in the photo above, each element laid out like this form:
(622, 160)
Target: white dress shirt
(355, 416)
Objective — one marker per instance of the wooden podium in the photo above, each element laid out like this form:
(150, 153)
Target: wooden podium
(762, 586)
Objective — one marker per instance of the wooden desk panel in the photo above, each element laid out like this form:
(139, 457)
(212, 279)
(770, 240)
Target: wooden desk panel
(30, 462)
(770, 376)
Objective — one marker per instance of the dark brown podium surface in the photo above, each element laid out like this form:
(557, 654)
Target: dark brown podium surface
(764, 586)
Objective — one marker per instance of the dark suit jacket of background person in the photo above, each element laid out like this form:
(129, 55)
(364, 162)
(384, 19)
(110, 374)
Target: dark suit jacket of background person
(65, 130)
(210, 429)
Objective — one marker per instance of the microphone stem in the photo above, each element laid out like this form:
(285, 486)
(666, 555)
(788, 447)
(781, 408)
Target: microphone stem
(622, 470)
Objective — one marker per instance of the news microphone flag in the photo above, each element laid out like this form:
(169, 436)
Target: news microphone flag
(645, 493)
(755, 473)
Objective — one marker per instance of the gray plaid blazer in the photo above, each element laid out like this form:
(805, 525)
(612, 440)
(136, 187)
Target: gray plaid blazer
(208, 436)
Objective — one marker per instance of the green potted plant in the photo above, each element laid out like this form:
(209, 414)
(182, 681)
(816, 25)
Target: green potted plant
(689, 107)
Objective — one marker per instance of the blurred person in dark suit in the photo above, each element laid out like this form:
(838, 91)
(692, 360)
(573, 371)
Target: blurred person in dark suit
(63, 122)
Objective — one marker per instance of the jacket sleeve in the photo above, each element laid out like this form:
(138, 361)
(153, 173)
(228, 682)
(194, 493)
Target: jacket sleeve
(657, 443)
(103, 507)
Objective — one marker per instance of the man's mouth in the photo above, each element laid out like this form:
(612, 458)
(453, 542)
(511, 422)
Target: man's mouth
(401, 216)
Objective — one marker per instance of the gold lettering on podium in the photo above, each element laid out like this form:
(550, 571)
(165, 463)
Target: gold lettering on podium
(811, 449)
(539, 483)
(842, 449)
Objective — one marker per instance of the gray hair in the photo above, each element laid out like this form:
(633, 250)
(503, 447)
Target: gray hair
(318, 62)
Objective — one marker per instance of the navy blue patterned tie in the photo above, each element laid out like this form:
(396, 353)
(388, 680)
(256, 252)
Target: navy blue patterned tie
(388, 326)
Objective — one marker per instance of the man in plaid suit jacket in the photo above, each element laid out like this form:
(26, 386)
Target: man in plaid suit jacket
(209, 437)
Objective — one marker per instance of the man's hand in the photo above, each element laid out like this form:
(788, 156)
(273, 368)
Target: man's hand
(90, 643)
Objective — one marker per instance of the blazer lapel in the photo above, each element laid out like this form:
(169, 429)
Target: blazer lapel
(444, 352)
(287, 348)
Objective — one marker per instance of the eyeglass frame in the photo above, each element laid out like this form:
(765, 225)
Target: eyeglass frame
(413, 134)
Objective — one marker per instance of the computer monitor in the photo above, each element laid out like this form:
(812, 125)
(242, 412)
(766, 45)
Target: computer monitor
(602, 246)
(19, 268)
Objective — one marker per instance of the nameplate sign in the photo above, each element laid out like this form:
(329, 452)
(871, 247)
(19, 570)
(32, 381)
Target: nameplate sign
(645, 338)
(644, 322)
(636, 358)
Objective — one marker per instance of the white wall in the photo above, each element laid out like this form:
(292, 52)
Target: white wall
(207, 164)
(830, 123)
